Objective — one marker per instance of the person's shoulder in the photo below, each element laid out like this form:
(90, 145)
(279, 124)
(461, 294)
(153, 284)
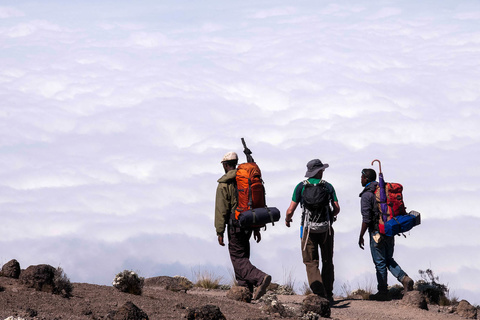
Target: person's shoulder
(368, 191)
(328, 185)
(228, 177)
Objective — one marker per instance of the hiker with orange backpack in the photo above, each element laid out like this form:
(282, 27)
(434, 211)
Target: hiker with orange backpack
(246, 274)
(381, 245)
(320, 208)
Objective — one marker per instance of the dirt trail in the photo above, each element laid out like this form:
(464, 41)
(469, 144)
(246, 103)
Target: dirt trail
(95, 302)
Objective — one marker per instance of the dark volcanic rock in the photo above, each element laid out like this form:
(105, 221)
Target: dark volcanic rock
(239, 293)
(316, 304)
(207, 312)
(128, 311)
(40, 277)
(11, 269)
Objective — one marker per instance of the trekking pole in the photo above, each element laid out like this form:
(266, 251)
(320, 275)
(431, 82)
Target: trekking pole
(247, 152)
(307, 232)
(306, 238)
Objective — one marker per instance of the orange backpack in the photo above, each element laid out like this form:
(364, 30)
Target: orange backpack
(251, 192)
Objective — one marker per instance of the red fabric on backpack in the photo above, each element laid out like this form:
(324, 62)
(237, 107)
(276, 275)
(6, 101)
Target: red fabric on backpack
(251, 192)
(396, 206)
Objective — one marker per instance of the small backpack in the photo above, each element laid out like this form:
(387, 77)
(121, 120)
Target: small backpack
(316, 207)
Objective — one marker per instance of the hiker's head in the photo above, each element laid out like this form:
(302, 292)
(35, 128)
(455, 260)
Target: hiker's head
(315, 169)
(368, 175)
(229, 161)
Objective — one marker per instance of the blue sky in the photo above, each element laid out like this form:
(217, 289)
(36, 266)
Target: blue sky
(114, 117)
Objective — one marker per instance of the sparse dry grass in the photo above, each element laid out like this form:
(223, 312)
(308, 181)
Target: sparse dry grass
(289, 281)
(362, 291)
(306, 289)
(207, 279)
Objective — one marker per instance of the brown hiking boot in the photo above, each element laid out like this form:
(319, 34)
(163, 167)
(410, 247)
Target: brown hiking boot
(407, 284)
(262, 288)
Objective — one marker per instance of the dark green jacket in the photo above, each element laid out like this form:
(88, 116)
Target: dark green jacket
(225, 200)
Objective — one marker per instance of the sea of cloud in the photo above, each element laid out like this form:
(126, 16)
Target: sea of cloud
(114, 118)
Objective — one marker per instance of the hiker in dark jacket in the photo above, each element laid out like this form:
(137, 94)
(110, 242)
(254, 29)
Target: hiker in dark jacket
(381, 246)
(246, 274)
(321, 283)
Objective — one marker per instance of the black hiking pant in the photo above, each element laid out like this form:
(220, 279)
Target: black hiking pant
(246, 274)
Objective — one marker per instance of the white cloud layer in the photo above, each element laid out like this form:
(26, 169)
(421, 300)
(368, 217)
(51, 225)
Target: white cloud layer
(114, 118)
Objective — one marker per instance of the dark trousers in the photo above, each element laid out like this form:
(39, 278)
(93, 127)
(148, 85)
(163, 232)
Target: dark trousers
(246, 274)
(321, 284)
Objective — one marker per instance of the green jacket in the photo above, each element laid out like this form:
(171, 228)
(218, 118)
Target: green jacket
(225, 200)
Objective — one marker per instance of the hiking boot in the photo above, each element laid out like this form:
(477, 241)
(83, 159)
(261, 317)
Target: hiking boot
(380, 296)
(331, 301)
(407, 284)
(262, 288)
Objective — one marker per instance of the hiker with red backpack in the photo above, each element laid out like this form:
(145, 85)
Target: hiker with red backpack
(381, 244)
(320, 207)
(226, 219)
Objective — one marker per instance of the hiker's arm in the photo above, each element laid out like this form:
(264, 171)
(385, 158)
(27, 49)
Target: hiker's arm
(336, 208)
(221, 209)
(366, 204)
(290, 211)
(361, 242)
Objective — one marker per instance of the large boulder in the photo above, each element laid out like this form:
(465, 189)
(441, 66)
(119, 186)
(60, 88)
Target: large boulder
(207, 312)
(317, 305)
(128, 311)
(40, 277)
(466, 310)
(239, 293)
(414, 299)
(11, 269)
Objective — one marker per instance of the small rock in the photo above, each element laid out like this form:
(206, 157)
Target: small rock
(316, 304)
(239, 293)
(466, 310)
(11, 269)
(207, 312)
(415, 299)
(31, 313)
(274, 307)
(128, 311)
(176, 283)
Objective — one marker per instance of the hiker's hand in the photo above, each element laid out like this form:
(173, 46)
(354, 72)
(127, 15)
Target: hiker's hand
(257, 236)
(287, 222)
(361, 243)
(220, 240)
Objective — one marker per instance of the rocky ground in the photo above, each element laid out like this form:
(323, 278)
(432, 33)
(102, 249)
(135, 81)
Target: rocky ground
(90, 301)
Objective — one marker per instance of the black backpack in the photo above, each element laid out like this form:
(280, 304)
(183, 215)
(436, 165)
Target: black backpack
(316, 206)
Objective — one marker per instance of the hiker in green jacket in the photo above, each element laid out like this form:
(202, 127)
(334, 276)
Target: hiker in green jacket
(321, 283)
(246, 274)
